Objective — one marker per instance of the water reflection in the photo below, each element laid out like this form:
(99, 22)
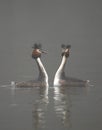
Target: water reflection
(40, 108)
(62, 104)
(13, 96)
(63, 100)
(35, 103)
(35, 99)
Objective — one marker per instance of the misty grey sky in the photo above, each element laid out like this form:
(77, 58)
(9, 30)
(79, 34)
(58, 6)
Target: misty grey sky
(51, 19)
(52, 22)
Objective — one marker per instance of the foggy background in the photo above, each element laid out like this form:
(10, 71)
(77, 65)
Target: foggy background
(52, 23)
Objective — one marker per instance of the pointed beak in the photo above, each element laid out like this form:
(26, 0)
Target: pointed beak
(44, 52)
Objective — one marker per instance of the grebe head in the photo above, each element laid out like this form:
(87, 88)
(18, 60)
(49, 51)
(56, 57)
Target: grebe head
(65, 50)
(37, 51)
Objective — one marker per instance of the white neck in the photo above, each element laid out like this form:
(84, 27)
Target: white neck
(42, 72)
(60, 72)
(61, 68)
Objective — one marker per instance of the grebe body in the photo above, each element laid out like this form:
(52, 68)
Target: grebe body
(42, 79)
(60, 78)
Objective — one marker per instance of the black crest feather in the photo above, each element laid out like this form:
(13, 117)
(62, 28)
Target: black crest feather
(37, 46)
(65, 46)
(68, 46)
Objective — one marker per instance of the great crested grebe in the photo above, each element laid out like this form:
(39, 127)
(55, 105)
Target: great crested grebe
(60, 79)
(42, 79)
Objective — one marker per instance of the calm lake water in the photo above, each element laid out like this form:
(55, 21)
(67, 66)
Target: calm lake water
(53, 22)
(58, 108)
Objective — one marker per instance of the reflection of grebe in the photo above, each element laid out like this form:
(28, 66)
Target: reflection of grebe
(60, 79)
(40, 108)
(43, 77)
(62, 105)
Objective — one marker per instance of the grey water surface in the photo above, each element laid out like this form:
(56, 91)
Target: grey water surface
(52, 23)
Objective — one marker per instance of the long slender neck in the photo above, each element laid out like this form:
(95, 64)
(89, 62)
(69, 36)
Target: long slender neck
(42, 72)
(60, 72)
